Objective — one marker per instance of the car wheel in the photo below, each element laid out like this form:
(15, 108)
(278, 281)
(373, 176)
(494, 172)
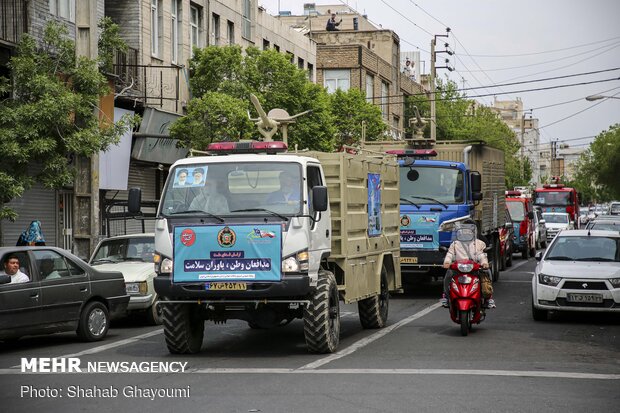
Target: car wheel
(496, 261)
(94, 322)
(537, 314)
(526, 252)
(154, 314)
(503, 258)
(509, 255)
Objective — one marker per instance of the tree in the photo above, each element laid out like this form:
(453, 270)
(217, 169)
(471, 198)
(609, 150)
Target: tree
(273, 79)
(350, 110)
(52, 116)
(460, 118)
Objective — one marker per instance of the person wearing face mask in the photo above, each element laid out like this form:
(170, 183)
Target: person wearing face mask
(466, 246)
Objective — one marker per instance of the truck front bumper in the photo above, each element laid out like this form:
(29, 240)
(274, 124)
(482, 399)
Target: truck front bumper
(420, 259)
(291, 286)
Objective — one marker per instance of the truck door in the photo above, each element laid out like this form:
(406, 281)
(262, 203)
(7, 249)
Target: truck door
(320, 231)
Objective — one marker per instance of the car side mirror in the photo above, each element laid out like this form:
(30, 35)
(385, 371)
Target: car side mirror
(5, 279)
(542, 221)
(539, 255)
(319, 198)
(530, 215)
(134, 200)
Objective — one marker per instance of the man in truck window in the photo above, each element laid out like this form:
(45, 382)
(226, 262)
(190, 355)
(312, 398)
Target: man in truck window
(289, 191)
(209, 200)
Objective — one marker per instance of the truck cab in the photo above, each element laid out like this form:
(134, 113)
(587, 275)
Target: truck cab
(521, 211)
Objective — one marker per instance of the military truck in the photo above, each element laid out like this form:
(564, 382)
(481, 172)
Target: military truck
(260, 234)
(441, 185)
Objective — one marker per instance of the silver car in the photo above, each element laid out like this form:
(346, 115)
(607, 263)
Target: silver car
(580, 271)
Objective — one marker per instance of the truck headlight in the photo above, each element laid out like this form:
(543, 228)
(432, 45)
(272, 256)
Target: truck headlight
(549, 279)
(296, 262)
(162, 265)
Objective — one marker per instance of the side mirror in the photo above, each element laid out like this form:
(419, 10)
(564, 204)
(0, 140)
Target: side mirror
(539, 255)
(542, 221)
(476, 182)
(134, 201)
(5, 279)
(476, 196)
(319, 198)
(509, 225)
(530, 215)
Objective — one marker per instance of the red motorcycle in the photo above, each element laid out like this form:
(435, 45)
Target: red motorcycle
(466, 301)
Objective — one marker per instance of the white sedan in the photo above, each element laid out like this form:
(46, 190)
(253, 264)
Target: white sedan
(580, 271)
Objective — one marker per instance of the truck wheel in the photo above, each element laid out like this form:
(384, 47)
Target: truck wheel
(183, 328)
(373, 311)
(322, 316)
(94, 322)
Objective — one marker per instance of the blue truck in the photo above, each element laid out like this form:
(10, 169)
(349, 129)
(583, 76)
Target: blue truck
(439, 187)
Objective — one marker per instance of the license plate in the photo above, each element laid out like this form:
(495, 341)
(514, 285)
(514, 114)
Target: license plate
(584, 298)
(408, 260)
(219, 286)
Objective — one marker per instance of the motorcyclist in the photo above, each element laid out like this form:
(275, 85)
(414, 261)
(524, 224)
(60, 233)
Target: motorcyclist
(466, 246)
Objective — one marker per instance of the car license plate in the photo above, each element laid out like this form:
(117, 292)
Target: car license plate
(219, 286)
(584, 298)
(408, 260)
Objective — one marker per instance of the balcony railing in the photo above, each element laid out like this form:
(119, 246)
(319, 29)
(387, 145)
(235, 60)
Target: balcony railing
(153, 85)
(13, 21)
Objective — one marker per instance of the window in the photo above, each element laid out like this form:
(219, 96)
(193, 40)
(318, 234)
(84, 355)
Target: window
(246, 29)
(384, 99)
(175, 26)
(156, 16)
(51, 265)
(311, 72)
(265, 44)
(275, 46)
(231, 32)
(337, 79)
(195, 24)
(314, 179)
(63, 8)
(215, 34)
(300, 63)
(370, 88)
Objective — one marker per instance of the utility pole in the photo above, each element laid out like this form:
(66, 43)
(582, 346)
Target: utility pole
(433, 77)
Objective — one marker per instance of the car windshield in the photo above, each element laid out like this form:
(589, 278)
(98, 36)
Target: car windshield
(444, 185)
(235, 188)
(556, 218)
(125, 249)
(561, 198)
(516, 209)
(584, 248)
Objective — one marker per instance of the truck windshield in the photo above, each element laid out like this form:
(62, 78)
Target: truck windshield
(552, 198)
(556, 218)
(242, 188)
(444, 185)
(516, 209)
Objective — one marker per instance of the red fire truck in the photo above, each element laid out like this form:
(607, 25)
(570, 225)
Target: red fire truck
(558, 198)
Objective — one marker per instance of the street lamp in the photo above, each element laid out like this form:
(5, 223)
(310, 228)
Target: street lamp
(598, 97)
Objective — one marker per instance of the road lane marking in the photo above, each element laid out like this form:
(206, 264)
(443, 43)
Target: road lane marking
(366, 341)
(418, 372)
(514, 267)
(517, 281)
(105, 347)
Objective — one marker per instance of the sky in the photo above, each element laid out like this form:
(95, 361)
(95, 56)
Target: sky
(499, 41)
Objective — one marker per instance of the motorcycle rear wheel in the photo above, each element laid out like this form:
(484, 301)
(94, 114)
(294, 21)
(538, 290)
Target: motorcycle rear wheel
(465, 322)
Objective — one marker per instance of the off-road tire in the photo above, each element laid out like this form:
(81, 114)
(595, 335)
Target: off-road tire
(94, 322)
(183, 328)
(322, 316)
(373, 311)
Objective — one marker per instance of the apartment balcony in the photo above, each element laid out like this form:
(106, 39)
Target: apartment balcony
(13, 21)
(147, 85)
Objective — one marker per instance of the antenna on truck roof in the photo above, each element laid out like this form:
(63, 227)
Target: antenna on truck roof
(269, 123)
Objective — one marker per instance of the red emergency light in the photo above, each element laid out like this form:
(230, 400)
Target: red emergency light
(553, 186)
(412, 152)
(225, 148)
(513, 193)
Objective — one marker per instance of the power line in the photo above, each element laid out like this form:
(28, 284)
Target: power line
(407, 18)
(574, 114)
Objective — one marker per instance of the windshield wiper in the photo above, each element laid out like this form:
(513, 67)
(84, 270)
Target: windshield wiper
(410, 202)
(262, 210)
(102, 260)
(430, 199)
(594, 259)
(197, 211)
(560, 258)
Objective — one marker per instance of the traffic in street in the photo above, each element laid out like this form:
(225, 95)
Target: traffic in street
(419, 362)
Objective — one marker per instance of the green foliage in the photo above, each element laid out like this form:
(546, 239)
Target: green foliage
(52, 117)
(110, 41)
(275, 81)
(597, 169)
(350, 109)
(458, 118)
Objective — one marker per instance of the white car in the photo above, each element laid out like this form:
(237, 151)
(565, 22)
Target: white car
(540, 230)
(556, 222)
(133, 256)
(580, 271)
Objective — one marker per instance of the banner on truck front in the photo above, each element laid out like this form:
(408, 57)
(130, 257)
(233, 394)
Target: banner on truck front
(227, 253)
(419, 230)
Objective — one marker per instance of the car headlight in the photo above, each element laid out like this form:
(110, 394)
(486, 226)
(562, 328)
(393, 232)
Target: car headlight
(136, 288)
(296, 262)
(549, 279)
(465, 267)
(615, 282)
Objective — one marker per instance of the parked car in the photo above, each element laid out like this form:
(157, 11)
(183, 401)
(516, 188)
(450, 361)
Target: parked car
(506, 242)
(133, 256)
(63, 294)
(605, 222)
(580, 271)
(614, 208)
(556, 222)
(540, 230)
